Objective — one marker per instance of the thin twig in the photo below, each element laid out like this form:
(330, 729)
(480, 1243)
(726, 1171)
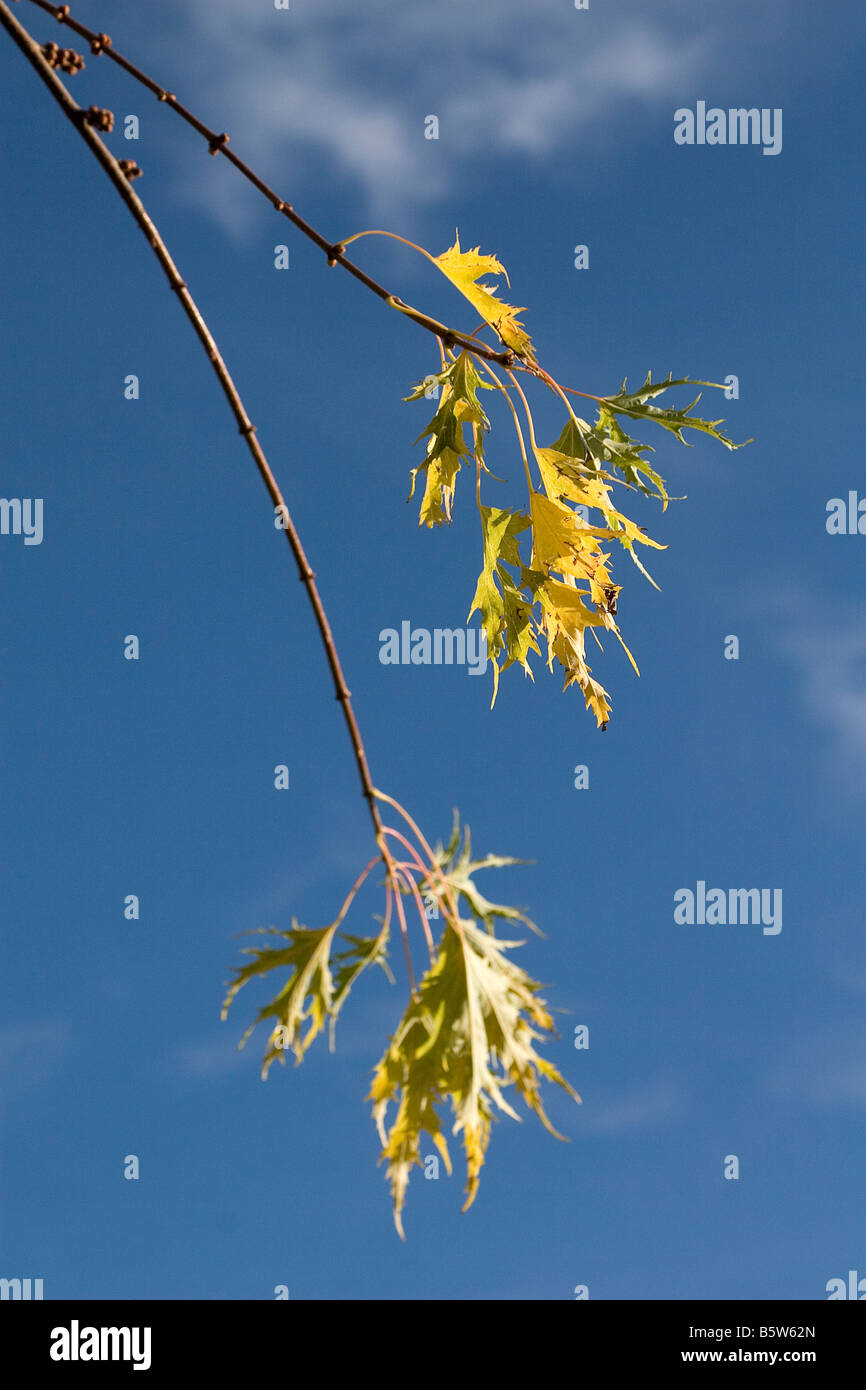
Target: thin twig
(73, 111)
(218, 144)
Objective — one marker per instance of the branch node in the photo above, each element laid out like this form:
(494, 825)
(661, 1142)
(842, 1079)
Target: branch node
(247, 429)
(335, 252)
(165, 96)
(66, 59)
(130, 168)
(217, 143)
(100, 43)
(99, 118)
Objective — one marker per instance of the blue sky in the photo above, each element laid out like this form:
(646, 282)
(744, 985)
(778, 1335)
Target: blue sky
(156, 777)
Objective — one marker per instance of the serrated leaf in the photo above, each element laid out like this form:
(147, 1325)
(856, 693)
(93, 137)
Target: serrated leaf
(306, 997)
(310, 994)
(607, 444)
(565, 618)
(469, 1032)
(463, 269)
(565, 543)
(437, 503)
(500, 618)
(446, 445)
(564, 477)
(457, 866)
(518, 631)
(634, 405)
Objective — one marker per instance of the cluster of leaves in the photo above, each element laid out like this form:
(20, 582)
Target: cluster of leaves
(469, 1032)
(472, 1024)
(561, 585)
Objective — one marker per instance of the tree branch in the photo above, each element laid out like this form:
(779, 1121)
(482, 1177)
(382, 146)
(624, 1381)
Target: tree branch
(77, 116)
(218, 144)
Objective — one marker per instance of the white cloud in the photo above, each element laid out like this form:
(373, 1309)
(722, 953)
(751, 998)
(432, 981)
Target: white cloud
(341, 91)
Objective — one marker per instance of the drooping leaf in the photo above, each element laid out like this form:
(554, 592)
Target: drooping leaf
(440, 477)
(495, 597)
(468, 1033)
(563, 542)
(518, 632)
(446, 443)
(309, 995)
(564, 477)
(306, 997)
(565, 618)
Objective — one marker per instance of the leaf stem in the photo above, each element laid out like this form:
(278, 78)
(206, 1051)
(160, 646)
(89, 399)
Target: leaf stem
(428, 851)
(406, 877)
(350, 896)
(504, 389)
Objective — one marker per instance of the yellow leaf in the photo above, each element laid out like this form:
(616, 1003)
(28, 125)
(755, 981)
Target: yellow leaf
(563, 542)
(463, 269)
(565, 617)
(560, 479)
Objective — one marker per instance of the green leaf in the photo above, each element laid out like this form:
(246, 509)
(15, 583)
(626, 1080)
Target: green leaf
(501, 617)
(457, 866)
(519, 628)
(634, 404)
(438, 500)
(306, 997)
(468, 1034)
(310, 994)
(607, 444)
(446, 447)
